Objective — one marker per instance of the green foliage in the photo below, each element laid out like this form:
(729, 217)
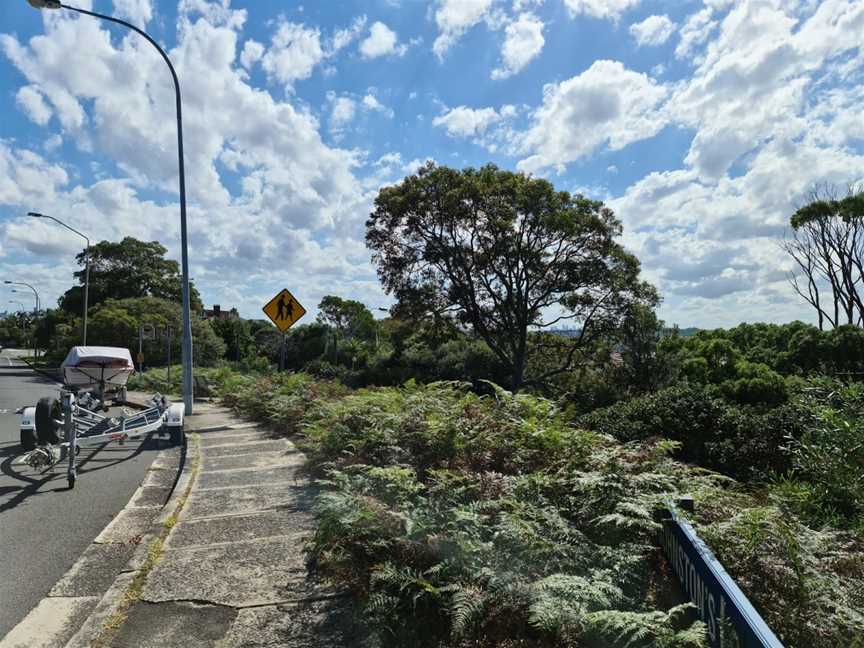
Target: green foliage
(117, 322)
(496, 250)
(237, 337)
(754, 383)
(127, 269)
(349, 318)
(738, 441)
(807, 584)
(788, 349)
(482, 519)
(460, 520)
(825, 484)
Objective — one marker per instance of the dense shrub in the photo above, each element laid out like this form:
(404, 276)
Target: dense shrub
(466, 520)
(825, 484)
(755, 383)
(739, 441)
(459, 520)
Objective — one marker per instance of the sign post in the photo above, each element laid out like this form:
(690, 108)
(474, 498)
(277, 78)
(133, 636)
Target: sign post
(283, 310)
(145, 332)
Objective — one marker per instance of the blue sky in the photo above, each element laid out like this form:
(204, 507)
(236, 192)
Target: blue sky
(701, 123)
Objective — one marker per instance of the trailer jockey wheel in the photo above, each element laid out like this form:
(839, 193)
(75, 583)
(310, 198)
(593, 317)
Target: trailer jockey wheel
(71, 481)
(47, 411)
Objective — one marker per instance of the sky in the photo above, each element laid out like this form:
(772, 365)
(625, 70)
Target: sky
(703, 124)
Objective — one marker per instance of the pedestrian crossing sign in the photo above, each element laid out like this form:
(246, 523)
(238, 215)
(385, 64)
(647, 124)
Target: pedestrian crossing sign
(284, 310)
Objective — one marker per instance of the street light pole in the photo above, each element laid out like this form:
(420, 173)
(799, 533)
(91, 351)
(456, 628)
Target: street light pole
(184, 256)
(86, 267)
(35, 313)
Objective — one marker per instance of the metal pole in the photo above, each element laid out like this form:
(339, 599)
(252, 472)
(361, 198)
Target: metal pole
(184, 256)
(86, 290)
(35, 313)
(168, 337)
(87, 266)
(67, 400)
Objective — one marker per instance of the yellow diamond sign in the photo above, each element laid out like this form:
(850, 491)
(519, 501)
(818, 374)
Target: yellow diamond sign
(284, 310)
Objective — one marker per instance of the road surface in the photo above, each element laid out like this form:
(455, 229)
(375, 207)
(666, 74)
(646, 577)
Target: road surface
(44, 527)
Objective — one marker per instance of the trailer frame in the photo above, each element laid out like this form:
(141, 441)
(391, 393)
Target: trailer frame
(85, 428)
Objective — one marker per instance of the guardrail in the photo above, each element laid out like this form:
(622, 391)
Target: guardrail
(731, 618)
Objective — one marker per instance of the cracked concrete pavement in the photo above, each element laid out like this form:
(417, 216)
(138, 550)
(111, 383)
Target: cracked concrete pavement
(230, 572)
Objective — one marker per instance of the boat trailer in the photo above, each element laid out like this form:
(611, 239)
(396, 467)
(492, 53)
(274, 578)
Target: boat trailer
(83, 427)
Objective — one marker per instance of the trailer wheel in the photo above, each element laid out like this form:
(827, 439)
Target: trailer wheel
(28, 440)
(71, 481)
(47, 409)
(175, 435)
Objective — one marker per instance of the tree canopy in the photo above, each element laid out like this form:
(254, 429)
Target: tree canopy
(827, 244)
(504, 253)
(127, 269)
(351, 319)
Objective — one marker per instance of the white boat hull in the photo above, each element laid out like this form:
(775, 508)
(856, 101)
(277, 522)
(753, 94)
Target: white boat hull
(96, 376)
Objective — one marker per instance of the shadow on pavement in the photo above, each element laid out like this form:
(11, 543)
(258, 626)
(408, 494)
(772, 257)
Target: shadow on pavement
(33, 482)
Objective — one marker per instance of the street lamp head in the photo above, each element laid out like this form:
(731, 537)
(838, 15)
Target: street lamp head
(36, 214)
(45, 4)
(6, 281)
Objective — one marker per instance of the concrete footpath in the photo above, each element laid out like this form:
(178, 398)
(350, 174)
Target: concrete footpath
(220, 565)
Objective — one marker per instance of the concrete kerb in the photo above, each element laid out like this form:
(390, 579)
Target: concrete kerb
(36, 629)
(109, 613)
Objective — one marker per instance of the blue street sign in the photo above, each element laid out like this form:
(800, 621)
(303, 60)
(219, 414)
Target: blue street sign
(731, 618)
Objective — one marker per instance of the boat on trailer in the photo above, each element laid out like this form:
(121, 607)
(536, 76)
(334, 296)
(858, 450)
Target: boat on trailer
(99, 369)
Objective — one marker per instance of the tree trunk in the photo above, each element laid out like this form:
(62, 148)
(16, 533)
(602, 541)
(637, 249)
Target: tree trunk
(518, 372)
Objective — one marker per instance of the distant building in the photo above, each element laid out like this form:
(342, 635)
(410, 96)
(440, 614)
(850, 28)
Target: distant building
(217, 313)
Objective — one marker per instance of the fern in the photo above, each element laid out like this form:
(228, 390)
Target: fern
(622, 629)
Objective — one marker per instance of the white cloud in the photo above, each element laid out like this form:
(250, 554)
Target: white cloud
(695, 32)
(370, 102)
(53, 143)
(252, 53)
(138, 12)
(382, 41)
(523, 42)
(344, 37)
(467, 122)
(607, 103)
(116, 99)
(754, 81)
(711, 244)
(454, 18)
(31, 101)
(654, 30)
(26, 176)
(343, 110)
(342, 113)
(609, 9)
(293, 54)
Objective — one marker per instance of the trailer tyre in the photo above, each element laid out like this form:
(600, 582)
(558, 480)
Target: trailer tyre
(28, 440)
(47, 409)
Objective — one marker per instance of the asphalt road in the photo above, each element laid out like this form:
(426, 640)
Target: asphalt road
(44, 527)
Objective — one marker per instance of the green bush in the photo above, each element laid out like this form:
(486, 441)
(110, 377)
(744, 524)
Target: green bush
(461, 520)
(755, 384)
(825, 484)
(739, 441)
(466, 520)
